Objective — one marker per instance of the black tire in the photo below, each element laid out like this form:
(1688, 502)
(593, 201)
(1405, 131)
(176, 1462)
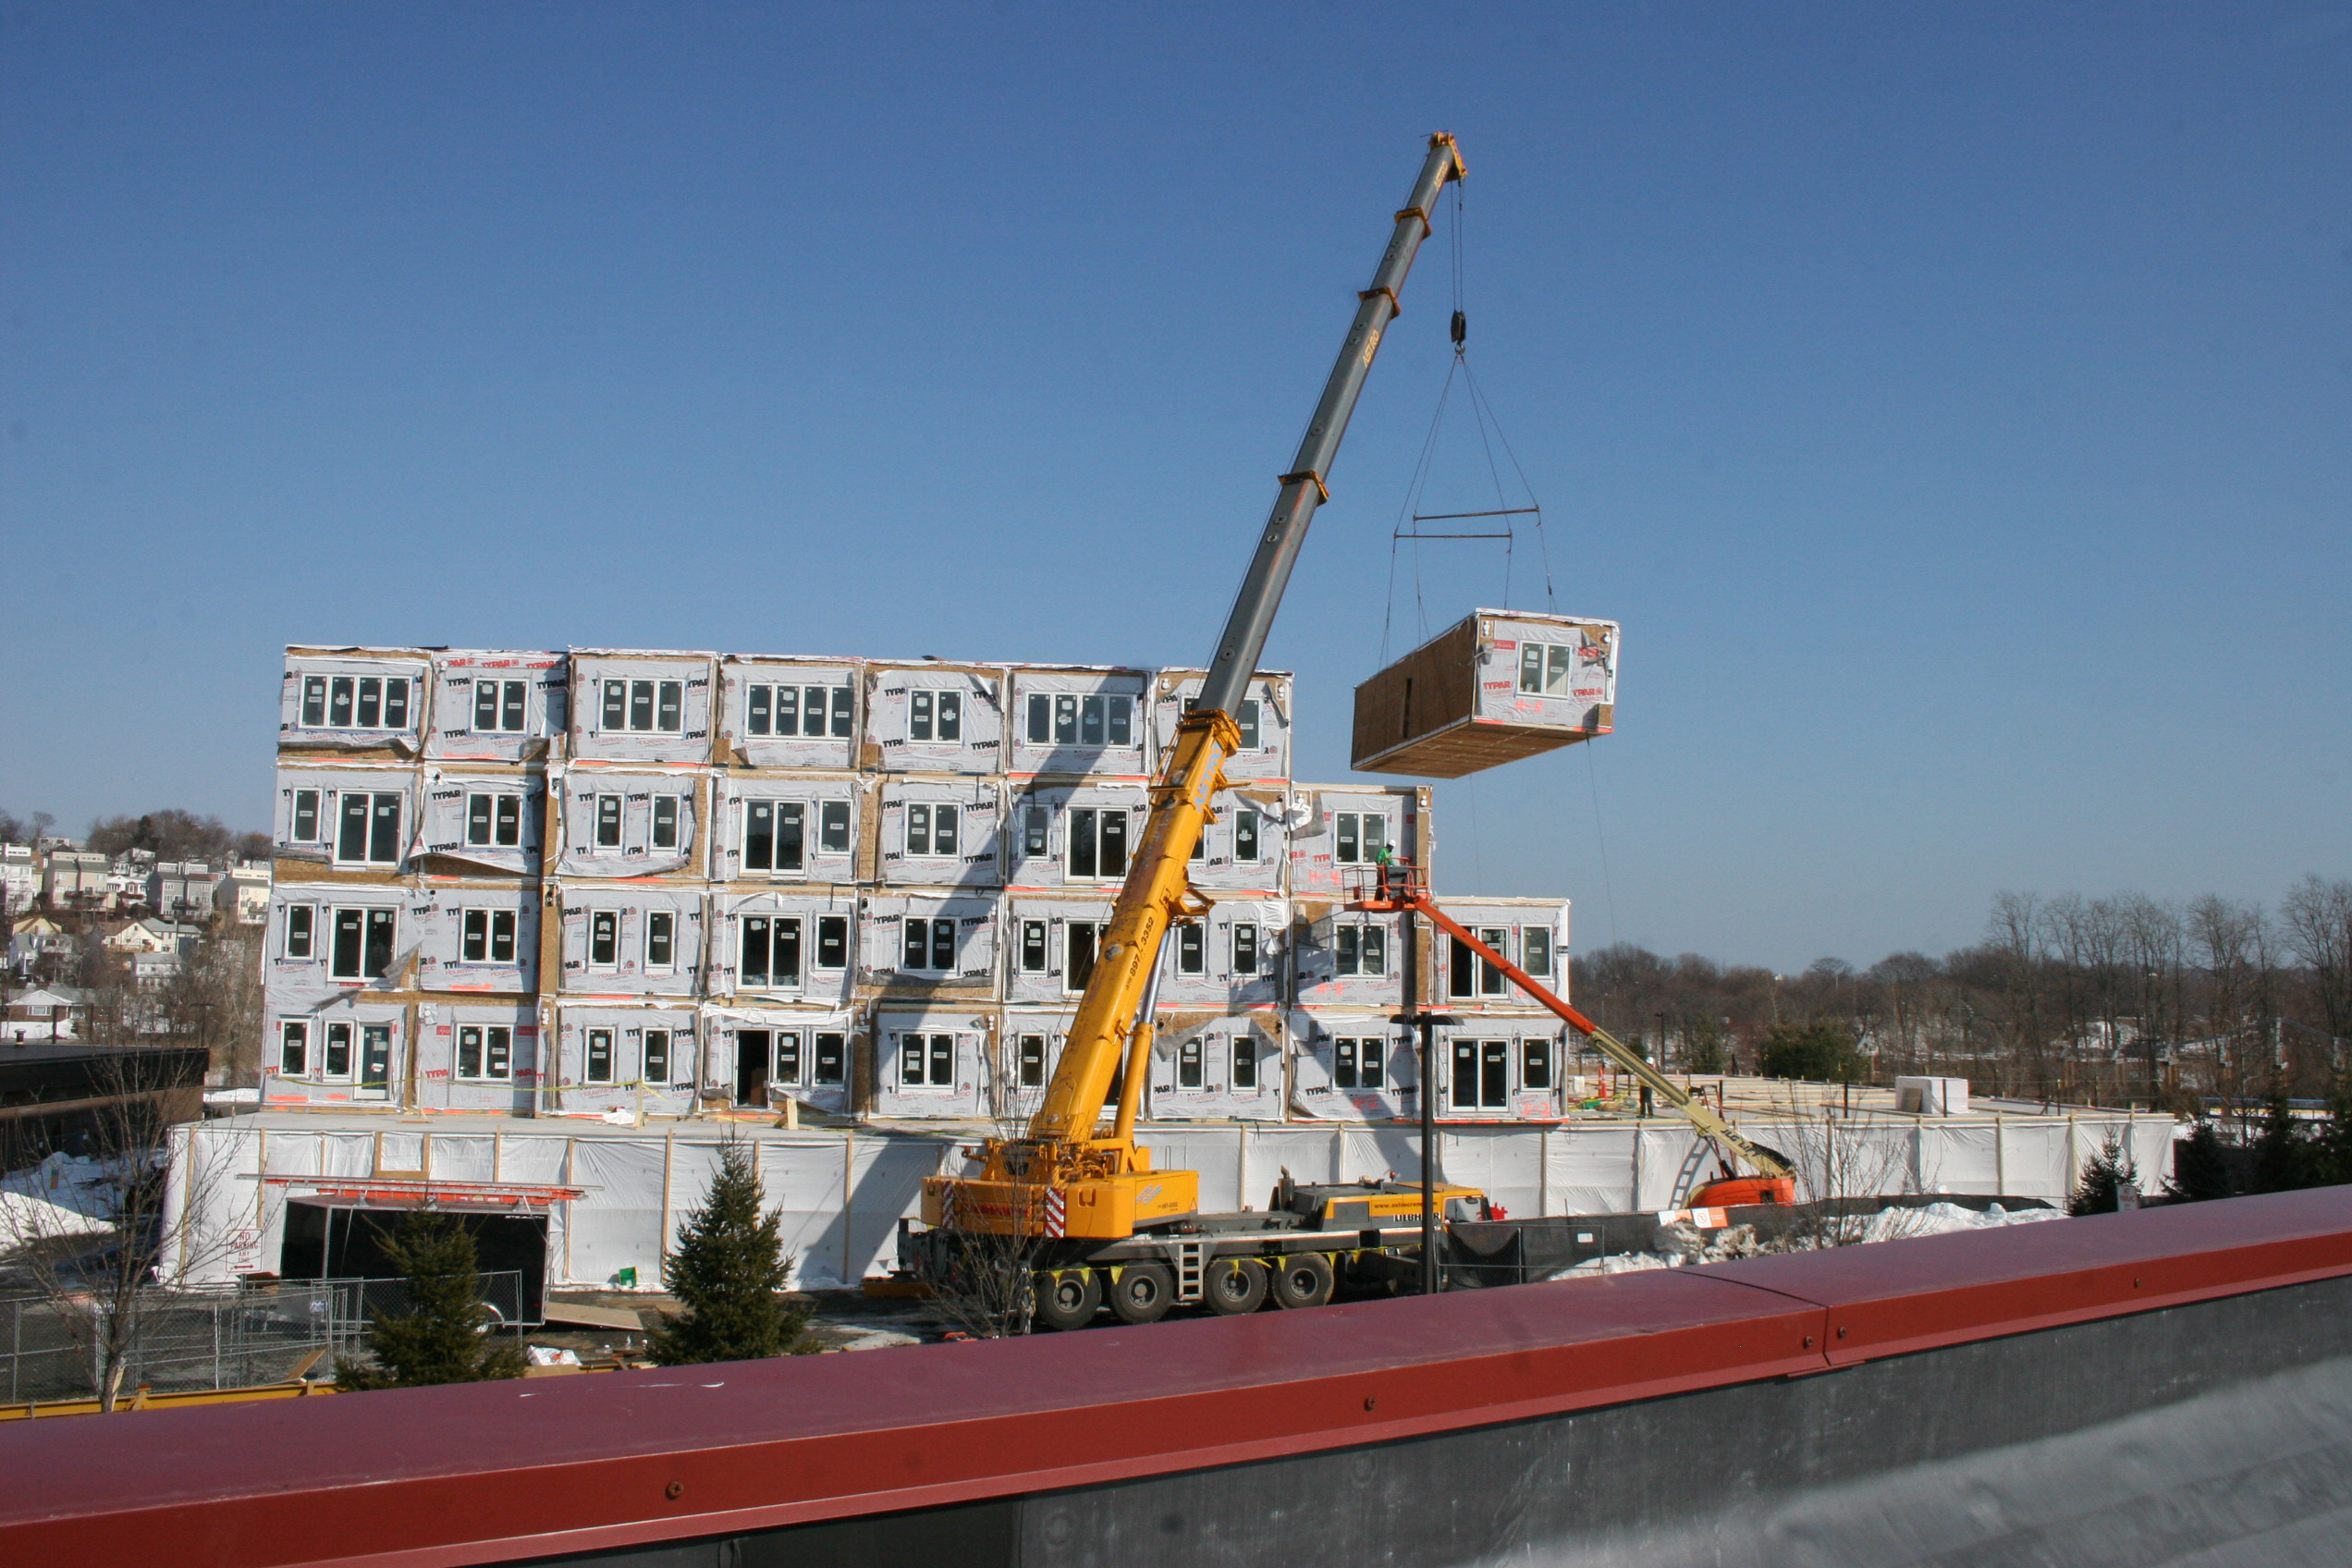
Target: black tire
(1067, 1297)
(1302, 1279)
(1231, 1286)
(1143, 1292)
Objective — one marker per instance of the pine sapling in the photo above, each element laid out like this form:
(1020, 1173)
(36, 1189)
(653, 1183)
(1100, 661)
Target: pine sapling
(440, 1337)
(728, 1272)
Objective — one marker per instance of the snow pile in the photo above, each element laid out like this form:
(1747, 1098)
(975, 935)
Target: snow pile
(1688, 1245)
(1942, 1218)
(27, 1220)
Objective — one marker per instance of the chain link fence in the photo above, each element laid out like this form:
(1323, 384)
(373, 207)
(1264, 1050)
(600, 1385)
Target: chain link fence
(179, 1340)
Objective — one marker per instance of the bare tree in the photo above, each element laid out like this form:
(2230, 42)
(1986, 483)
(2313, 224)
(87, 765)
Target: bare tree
(102, 1289)
(2317, 916)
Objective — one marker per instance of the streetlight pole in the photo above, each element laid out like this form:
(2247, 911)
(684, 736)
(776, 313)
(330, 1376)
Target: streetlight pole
(1412, 1018)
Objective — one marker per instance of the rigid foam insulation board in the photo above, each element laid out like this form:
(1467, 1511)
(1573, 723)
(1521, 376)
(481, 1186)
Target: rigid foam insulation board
(1499, 686)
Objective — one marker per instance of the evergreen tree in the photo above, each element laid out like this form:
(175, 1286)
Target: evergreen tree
(2201, 1165)
(729, 1273)
(1818, 1052)
(2282, 1155)
(439, 1339)
(2104, 1175)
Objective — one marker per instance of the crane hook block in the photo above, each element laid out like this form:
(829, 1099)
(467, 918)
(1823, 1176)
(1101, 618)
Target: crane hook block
(1461, 329)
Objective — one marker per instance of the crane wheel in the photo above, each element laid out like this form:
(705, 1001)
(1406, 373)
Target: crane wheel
(1067, 1297)
(1302, 1279)
(1143, 1292)
(1234, 1285)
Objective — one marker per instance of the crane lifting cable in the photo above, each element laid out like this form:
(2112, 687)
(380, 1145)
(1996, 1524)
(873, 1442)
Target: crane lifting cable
(1496, 524)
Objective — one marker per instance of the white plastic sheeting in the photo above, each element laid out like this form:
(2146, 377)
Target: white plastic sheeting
(1570, 678)
(602, 1067)
(935, 717)
(1220, 1067)
(1264, 754)
(1079, 721)
(1037, 933)
(1331, 842)
(460, 934)
(933, 1061)
(490, 706)
(812, 964)
(1039, 826)
(496, 820)
(617, 824)
(790, 829)
(938, 834)
(842, 1197)
(1341, 958)
(1317, 1067)
(612, 942)
(968, 956)
(347, 700)
(631, 706)
(448, 1079)
(791, 712)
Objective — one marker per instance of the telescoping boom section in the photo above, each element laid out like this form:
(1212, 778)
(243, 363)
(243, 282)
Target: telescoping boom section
(1399, 885)
(1068, 1176)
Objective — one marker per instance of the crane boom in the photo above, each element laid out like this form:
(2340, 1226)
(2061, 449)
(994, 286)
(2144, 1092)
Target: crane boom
(1063, 1179)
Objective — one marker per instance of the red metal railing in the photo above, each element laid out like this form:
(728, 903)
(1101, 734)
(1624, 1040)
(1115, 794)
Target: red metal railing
(487, 1473)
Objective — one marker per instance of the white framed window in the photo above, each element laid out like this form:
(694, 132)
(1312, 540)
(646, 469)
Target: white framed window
(1099, 841)
(1188, 1063)
(1358, 837)
(934, 716)
(1245, 1064)
(1246, 953)
(827, 1062)
(1481, 1074)
(1535, 1064)
(1066, 719)
(1029, 1059)
(600, 1055)
(774, 835)
(604, 939)
(338, 1062)
(1033, 947)
(362, 702)
(1247, 836)
(657, 1057)
(927, 1061)
(661, 940)
(360, 942)
(367, 829)
(1548, 669)
(832, 942)
(1037, 824)
(930, 945)
(302, 931)
(812, 712)
(500, 707)
(1359, 1063)
(486, 935)
(1081, 940)
(769, 952)
(643, 708)
(1360, 949)
(605, 812)
(1475, 977)
(293, 1047)
(307, 825)
(1535, 950)
(1192, 949)
(494, 821)
(666, 815)
(486, 1052)
(931, 830)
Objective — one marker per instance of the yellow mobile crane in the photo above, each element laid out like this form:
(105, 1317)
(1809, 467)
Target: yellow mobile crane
(1089, 1199)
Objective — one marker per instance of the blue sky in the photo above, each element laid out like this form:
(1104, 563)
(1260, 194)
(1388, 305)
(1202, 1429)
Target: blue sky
(1954, 402)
